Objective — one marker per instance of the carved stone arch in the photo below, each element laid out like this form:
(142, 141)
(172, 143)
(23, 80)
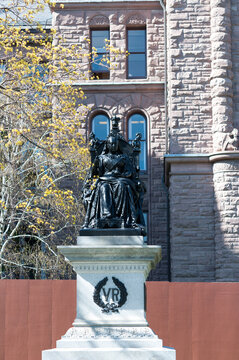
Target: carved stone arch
(99, 20)
(136, 19)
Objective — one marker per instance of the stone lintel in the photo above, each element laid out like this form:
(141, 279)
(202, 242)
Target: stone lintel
(186, 164)
(108, 87)
(72, 4)
(195, 164)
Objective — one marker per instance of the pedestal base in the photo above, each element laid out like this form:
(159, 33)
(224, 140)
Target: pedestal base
(107, 343)
(109, 354)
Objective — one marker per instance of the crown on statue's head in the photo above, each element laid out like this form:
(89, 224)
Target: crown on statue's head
(115, 124)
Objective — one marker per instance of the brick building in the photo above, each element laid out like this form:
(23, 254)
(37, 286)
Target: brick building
(180, 88)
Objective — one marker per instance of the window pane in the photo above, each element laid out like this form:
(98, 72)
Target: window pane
(137, 124)
(142, 156)
(136, 40)
(137, 65)
(98, 64)
(101, 126)
(2, 70)
(98, 38)
(42, 72)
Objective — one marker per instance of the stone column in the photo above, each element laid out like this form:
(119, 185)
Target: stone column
(225, 164)
(221, 74)
(226, 187)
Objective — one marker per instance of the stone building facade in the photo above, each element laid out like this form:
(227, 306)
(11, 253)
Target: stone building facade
(189, 99)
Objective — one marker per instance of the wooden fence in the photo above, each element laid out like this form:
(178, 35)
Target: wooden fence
(200, 320)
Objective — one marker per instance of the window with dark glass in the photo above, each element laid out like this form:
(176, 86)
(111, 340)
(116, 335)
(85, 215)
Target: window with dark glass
(137, 124)
(101, 126)
(99, 66)
(145, 214)
(136, 60)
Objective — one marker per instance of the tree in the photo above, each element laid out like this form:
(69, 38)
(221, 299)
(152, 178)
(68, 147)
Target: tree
(42, 148)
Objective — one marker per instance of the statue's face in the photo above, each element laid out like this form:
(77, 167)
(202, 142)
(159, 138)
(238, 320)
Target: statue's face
(112, 144)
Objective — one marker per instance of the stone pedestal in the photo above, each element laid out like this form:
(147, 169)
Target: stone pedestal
(110, 317)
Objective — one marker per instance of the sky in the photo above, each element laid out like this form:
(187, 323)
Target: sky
(43, 17)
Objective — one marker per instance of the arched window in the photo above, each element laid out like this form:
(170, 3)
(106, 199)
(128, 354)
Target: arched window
(137, 124)
(101, 126)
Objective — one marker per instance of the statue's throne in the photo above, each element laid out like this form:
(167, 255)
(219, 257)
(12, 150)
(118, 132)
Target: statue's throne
(131, 150)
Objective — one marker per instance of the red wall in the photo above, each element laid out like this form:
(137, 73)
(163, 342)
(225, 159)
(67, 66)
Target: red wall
(200, 320)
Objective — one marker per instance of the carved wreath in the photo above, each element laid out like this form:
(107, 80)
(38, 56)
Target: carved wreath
(110, 307)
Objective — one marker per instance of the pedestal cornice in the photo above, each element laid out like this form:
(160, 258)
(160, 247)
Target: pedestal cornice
(122, 258)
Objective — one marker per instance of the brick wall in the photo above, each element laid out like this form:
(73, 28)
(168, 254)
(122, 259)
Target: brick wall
(75, 22)
(189, 69)
(203, 77)
(128, 95)
(203, 103)
(226, 184)
(192, 221)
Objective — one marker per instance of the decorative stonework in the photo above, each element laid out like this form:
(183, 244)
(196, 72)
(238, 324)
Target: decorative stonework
(231, 141)
(136, 20)
(109, 268)
(109, 332)
(221, 74)
(226, 166)
(99, 20)
(110, 306)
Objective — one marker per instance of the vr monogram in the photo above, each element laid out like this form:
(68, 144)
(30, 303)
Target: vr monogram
(114, 298)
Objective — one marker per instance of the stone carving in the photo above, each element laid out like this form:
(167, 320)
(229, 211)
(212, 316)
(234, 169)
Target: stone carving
(109, 332)
(226, 166)
(99, 20)
(136, 20)
(221, 84)
(119, 293)
(110, 267)
(231, 140)
(112, 192)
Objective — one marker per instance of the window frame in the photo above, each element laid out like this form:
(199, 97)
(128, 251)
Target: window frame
(98, 73)
(94, 116)
(143, 171)
(145, 52)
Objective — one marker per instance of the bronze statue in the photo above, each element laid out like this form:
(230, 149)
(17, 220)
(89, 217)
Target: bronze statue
(112, 191)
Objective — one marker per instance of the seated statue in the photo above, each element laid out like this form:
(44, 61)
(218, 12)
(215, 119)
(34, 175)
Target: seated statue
(112, 192)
